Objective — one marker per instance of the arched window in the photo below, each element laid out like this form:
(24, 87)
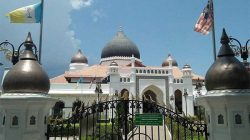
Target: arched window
(166, 72)
(58, 109)
(238, 119)
(177, 80)
(136, 71)
(140, 71)
(156, 71)
(220, 119)
(152, 71)
(120, 79)
(144, 71)
(124, 79)
(181, 81)
(178, 101)
(128, 79)
(159, 71)
(15, 121)
(148, 71)
(163, 72)
(32, 120)
(174, 81)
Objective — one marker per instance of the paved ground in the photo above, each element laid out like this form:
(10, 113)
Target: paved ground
(152, 132)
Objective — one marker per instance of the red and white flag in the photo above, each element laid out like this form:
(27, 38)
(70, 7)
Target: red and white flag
(205, 21)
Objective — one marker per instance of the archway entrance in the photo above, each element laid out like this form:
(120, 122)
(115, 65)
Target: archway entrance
(150, 96)
(124, 94)
(178, 101)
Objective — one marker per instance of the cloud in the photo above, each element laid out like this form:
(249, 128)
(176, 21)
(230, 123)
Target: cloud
(97, 14)
(78, 4)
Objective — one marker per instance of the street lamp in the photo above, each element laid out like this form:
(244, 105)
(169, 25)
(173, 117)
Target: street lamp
(13, 54)
(240, 50)
(198, 86)
(98, 90)
(172, 101)
(185, 96)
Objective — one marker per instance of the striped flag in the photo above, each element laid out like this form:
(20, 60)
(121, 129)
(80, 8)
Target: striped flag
(27, 14)
(205, 20)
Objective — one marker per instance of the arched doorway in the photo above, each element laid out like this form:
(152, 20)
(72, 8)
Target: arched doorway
(58, 109)
(178, 101)
(124, 94)
(149, 95)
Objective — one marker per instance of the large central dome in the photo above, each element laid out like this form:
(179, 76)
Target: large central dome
(120, 45)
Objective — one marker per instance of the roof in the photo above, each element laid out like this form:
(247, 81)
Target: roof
(101, 71)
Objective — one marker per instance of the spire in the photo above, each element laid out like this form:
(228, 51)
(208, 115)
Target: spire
(225, 49)
(29, 42)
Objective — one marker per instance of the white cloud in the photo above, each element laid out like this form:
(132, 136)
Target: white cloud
(97, 14)
(78, 4)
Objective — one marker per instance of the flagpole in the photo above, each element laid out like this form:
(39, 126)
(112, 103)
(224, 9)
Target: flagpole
(41, 32)
(213, 30)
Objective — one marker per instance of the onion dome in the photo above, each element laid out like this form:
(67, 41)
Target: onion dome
(120, 45)
(186, 66)
(79, 58)
(113, 64)
(165, 63)
(227, 72)
(27, 75)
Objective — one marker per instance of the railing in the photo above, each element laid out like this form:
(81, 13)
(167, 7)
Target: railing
(115, 120)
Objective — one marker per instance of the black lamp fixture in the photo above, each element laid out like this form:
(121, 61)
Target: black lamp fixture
(9, 50)
(185, 94)
(198, 86)
(243, 51)
(98, 90)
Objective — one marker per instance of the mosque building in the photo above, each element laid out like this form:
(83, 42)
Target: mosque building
(121, 73)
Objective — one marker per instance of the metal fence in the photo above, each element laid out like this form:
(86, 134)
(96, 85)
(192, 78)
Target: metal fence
(116, 120)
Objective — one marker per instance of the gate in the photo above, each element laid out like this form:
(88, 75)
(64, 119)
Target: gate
(116, 120)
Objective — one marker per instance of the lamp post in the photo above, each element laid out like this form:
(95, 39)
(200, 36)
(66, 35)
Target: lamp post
(172, 101)
(185, 96)
(11, 53)
(98, 90)
(243, 51)
(198, 86)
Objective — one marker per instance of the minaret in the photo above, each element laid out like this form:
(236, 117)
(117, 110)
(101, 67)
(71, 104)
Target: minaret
(187, 89)
(114, 76)
(24, 104)
(227, 102)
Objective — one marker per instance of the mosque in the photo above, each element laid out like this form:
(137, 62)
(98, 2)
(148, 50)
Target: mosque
(121, 74)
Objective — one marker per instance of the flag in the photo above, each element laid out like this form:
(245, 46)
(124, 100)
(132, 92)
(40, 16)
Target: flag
(78, 82)
(27, 14)
(205, 20)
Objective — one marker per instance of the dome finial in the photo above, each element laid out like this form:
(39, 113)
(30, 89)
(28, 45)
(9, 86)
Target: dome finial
(29, 42)
(120, 29)
(224, 37)
(225, 49)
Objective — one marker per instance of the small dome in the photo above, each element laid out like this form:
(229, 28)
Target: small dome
(79, 58)
(113, 64)
(120, 45)
(165, 63)
(227, 72)
(186, 66)
(27, 75)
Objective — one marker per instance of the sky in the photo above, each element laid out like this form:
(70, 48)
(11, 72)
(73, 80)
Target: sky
(158, 28)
